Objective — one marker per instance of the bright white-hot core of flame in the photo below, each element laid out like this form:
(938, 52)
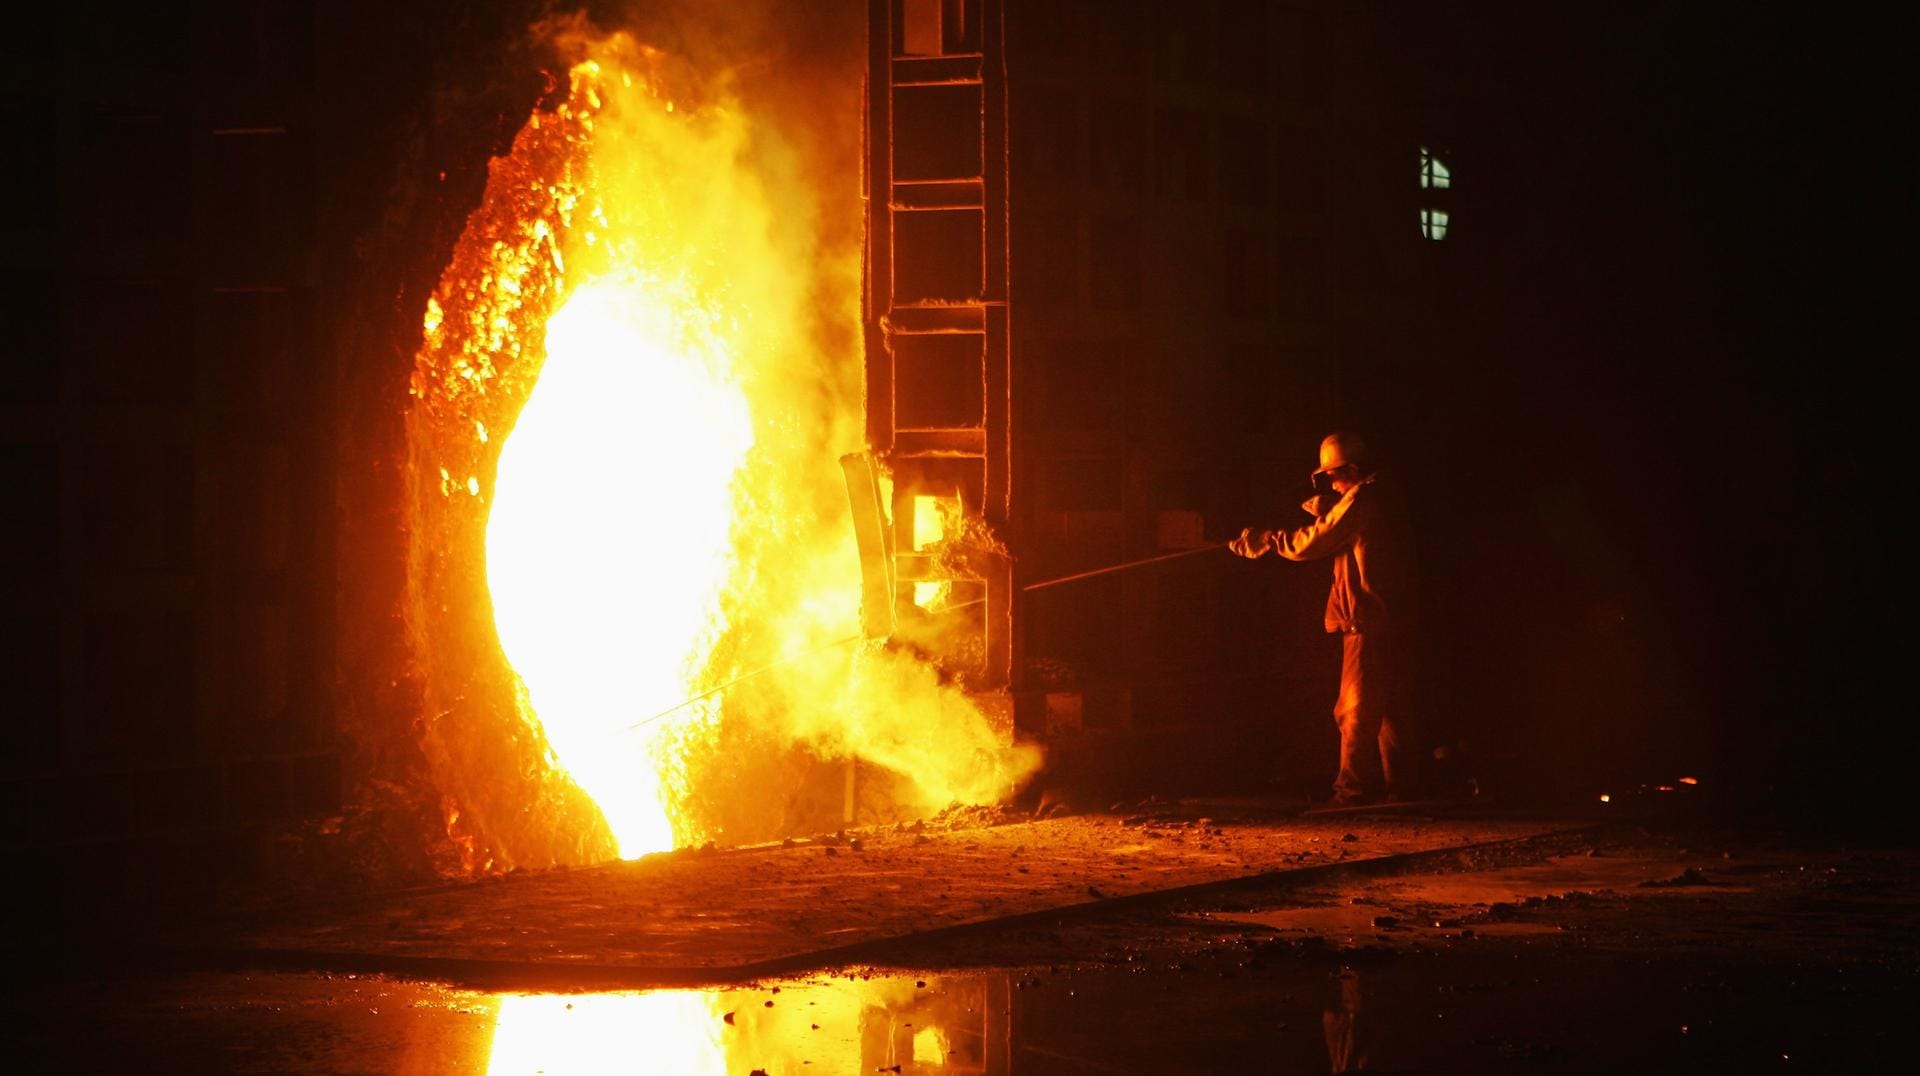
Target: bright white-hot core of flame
(591, 1034)
(608, 538)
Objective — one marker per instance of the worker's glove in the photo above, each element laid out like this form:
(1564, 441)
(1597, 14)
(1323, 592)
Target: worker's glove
(1319, 504)
(1252, 544)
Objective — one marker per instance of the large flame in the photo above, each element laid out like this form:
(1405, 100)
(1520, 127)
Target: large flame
(607, 547)
(654, 323)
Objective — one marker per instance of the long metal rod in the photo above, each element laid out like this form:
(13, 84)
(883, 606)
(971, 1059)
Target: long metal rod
(1110, 569)
(851, 639)
(718, 688)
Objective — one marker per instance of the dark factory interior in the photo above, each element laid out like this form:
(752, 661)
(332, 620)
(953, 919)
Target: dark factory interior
(546, 520)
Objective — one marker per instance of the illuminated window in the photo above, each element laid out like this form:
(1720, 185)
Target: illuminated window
(1435, 176)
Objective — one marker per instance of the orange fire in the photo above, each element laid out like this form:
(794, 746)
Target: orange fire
(634, 328)
(607, 548)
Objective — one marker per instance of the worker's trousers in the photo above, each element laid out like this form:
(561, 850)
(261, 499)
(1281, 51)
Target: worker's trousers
(1375, 717)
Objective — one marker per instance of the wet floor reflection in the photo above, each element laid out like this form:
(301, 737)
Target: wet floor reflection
(1241, 1006)
(989, 1023)
(939, 1025)
(1342, 1023)
(595, 1033)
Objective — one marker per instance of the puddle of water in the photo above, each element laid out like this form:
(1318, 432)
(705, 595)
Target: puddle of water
(1416, 904)
(1555, 877)
(1219, 1012)
(1357, 923)
(1238, 1006)
(920, 1025)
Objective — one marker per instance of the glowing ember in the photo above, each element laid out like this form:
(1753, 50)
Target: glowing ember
(607, 544)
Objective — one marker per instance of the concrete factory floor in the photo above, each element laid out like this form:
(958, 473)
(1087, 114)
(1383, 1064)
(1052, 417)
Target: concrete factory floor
(695, 916)
(1544, 946)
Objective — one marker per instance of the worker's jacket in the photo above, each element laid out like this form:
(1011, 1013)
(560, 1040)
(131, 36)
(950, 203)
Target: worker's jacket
(1365, 533)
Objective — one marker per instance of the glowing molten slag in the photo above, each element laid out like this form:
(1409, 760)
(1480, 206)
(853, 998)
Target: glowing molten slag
(607, 544)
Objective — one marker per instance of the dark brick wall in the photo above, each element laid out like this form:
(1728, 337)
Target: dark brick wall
(1635, 394)
(164, 450)
(1204, 199)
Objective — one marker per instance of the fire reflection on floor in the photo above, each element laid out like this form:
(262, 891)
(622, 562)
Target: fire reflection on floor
(854, 1025)
(1488, 1007)
(555, 1033)
(1640, 957)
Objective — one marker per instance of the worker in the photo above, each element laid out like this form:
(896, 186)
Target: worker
(1359, 524)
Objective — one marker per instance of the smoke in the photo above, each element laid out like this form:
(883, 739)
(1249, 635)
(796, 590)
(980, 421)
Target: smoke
(777, 88)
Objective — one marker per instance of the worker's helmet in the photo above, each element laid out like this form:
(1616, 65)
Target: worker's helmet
(1339, 450)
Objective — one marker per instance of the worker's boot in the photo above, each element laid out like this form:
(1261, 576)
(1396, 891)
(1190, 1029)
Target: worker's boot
(1360, 780)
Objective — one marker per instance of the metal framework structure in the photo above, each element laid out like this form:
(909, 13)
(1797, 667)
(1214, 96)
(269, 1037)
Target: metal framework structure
(936, 301)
